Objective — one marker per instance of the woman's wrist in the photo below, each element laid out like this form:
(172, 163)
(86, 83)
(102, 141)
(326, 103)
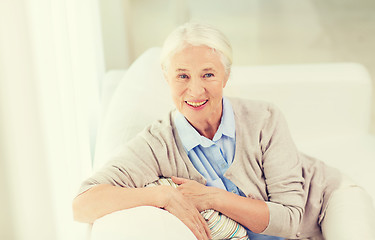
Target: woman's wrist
(160, 196)
(214, 198)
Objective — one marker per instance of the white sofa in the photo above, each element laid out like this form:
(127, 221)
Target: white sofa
(327, 107)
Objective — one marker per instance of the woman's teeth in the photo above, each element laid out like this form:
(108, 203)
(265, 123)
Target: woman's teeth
(196, 104)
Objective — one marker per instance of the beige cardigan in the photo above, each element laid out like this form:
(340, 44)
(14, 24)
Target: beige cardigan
(266, 166)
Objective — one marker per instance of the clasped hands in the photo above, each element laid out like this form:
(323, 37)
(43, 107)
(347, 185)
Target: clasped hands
(187, 201)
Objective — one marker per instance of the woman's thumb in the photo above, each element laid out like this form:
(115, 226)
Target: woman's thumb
(179, 180)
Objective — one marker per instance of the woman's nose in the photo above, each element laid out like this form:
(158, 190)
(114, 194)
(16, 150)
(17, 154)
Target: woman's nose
(196, 87)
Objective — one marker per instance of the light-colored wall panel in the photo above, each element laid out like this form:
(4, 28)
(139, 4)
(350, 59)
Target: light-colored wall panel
(115, 17)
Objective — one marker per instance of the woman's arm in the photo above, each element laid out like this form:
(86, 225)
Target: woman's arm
(251, 213)
(103, 199)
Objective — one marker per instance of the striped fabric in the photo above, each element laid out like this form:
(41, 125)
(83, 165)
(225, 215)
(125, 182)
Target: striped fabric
(220, 225)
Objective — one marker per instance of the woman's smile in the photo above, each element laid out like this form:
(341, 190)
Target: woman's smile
(197, 104)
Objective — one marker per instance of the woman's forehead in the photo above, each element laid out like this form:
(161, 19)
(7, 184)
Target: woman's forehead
(209, 67)
(201, 50)
(201, 57)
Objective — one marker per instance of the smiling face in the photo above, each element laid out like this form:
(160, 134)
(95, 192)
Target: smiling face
(196, 77)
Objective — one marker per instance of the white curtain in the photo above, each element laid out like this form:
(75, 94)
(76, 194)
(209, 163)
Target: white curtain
(51, 66)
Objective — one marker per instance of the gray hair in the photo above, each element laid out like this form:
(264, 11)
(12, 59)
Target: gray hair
(197, 34)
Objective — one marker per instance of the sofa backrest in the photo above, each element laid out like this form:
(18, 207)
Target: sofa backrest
(316, 99)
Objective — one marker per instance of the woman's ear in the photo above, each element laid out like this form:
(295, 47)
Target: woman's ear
(166, 77)
(164, 70)
(226, 78)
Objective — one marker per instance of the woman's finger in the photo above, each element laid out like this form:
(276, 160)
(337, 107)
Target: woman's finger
(199, 231)
(207, 230)
(201, 227)
(194, 224)
(179, 206)
(179, 180)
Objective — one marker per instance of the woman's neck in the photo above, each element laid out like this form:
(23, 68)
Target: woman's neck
(208, 132)
(207, 129)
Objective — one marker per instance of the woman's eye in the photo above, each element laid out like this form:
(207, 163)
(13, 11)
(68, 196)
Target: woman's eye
(183, 76)
(208, 75)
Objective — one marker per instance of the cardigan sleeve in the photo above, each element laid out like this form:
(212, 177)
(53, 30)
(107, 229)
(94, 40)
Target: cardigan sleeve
(134, 165)
(152, 153)
(283, 175)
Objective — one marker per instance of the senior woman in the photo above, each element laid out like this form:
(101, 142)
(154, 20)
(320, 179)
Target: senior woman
(231, 155)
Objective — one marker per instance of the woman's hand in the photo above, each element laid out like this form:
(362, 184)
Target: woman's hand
(178, 205)
(198, 194)
(251, 213)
